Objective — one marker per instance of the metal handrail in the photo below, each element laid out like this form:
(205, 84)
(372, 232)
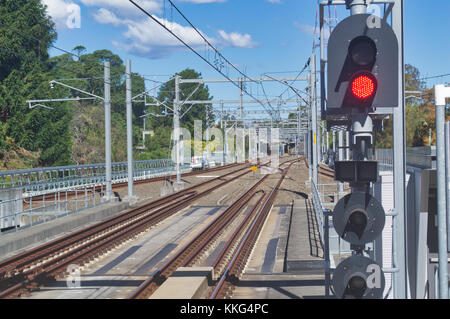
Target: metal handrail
(318, 209)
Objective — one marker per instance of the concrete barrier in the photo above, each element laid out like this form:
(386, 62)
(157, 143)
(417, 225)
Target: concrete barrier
(185, 283)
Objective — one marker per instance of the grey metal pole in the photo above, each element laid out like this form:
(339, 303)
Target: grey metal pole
(447, 176)
(347, 144)
(309, 155)
(129, 131)
(297, 139)
(225, 147)
(107, 73)
(143, 133)
(341, 157)
(241, 101)
(314, 116)
(322, 151)
(399, 165)
(305, 146)
(441, 202)
(333, 136)
(207, 138)
(319, 140)
(224, 138)
(176, 126)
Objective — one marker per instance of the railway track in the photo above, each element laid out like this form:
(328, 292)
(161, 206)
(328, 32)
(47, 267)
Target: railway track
(231, 259)
(323, 170)
(25, 272)
(248, 233)
(120, 185)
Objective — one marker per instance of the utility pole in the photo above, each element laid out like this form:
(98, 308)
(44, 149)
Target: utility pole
(322, 149)
(326, 144)
(347, 144)
(314, 117)
(207, 137)
(340, 157)
(399, 163)
(241, 97)
(176, 127)
(333, 137)
(224, 133)
(441, 93)
(107, 104)
(309, 134)
(130, 197)
(298, 132)
(107, 71)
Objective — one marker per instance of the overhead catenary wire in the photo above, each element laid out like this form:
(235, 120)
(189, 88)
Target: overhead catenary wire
(217, 53)
(298, 75)
(435, 76)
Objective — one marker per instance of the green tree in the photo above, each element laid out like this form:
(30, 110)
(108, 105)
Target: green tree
(419, 113)
(163, 126)
(26, 33)
(197, 112)
(88, 123)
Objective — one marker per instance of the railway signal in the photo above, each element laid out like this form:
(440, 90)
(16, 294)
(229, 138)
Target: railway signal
(362, 66)
(362, 78)
(358, 218)
(358, 277)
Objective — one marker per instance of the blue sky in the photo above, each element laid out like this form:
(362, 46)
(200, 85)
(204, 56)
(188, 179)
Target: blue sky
(258, 36)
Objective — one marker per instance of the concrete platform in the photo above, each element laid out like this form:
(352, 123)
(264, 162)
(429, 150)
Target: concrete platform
(304, 248)
(14, 243)
(287, 261)
(185, 283)
(280, 286)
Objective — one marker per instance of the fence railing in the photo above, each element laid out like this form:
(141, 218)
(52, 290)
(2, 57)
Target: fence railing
(33, 196)
(323, 220)
(318, 209)
(38, 180)
(21, 211)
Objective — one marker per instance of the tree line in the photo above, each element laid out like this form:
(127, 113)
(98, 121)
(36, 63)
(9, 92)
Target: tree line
(71, 132)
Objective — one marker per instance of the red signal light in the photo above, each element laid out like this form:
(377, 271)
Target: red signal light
(363, 86)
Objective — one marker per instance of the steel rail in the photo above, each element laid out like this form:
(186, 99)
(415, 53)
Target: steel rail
(189, 251)
(221, 258)
(240, 256)
(14, 280)
(322, 170)
(195, 247)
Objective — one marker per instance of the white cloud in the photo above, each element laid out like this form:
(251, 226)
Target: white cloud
(144, 37)
(124, 7)
(105, 16)
(148, 32)
(147, 38)
(62, 12)
(274, 1)
(236, 39)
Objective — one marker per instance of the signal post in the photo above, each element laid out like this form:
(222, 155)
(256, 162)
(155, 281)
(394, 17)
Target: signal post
(362, 80)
